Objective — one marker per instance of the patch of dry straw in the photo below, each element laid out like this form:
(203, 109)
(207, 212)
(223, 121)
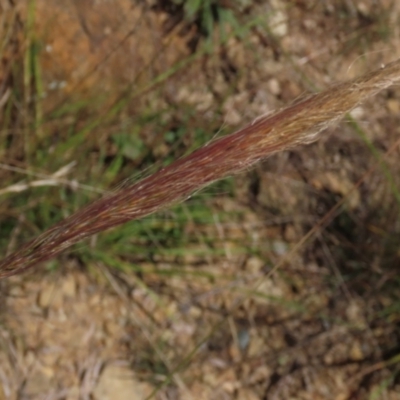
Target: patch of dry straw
(297, 124)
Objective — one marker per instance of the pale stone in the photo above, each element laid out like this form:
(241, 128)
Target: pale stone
(118, 382)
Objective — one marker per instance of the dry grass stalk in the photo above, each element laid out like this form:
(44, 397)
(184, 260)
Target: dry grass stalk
(297, 124)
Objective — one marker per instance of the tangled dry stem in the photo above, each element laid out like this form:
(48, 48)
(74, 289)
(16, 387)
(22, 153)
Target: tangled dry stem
(297, 124)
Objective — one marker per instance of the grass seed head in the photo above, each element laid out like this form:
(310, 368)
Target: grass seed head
(297, 124)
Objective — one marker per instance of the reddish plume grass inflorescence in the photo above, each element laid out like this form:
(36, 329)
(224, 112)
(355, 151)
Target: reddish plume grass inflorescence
(297, 124)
